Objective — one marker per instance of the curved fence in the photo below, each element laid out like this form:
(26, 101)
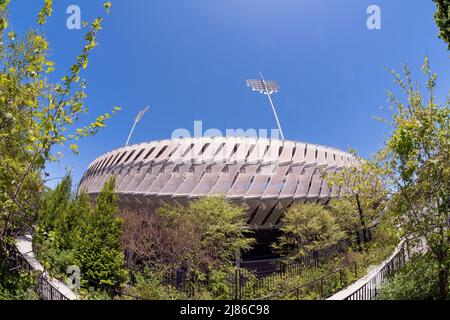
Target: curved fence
(371, 288)
(321, 287)
(368, 287)
(47, 287)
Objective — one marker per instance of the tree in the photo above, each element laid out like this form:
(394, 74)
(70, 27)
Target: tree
(204, 235)
(416, 160)
(51, 232)
(59, 226)
(442, 18)
(54, 207)
(363, 192)
(416, 281)
(308, 228)
(149, 240)
(344, 211)
(76, 220)
(71, 232)
(99, 251)
(35, 116)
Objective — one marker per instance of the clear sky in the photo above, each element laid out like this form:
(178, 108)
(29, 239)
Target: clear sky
(188, 60)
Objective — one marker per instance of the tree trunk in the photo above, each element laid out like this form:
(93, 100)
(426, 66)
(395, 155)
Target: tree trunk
(443, 284)
(316, 258)
(358, 240)
(442, 256)
(361, 219)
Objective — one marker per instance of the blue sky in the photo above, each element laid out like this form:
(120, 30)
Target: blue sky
(189, 60)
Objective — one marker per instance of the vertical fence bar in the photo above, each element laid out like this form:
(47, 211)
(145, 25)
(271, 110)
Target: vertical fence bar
(321, 288)
(236, 284)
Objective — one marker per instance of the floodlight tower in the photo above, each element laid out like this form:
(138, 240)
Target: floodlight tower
(268, 88)
(136, 120)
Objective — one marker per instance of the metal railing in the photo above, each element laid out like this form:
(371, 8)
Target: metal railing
(47, 291)
(368, 287)
(44, 286)
(371, 288)
(245, 282)
(322, 287)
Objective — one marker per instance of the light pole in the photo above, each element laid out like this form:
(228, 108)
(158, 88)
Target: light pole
(268, 88)
(136, 120)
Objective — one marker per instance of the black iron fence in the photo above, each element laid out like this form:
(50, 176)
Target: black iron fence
(321, 287)
(45, 289)
(372, 287)
(183, 281)
(265, 268)
(247, 283)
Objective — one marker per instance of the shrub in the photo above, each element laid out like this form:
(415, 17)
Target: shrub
(308, 228)
(417, 281)
(98, 251)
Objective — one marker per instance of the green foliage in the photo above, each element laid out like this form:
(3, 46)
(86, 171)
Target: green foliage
(58, 226)
(205, 234)
(70, 232)
(149, 286)
(94, 294)
(35, 116)
(442, 18)
(308, 281)
(107, 6)
(416, 281)
(415, 161)
(45, 12)
(306, 228)
(363, 195)
(53, 213)
(345, 212)
(17, 285)
(218, 284)
(99, 251)
(222, 228)
(201, 239)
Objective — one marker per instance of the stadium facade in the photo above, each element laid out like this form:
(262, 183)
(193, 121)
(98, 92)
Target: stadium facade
(267, 175)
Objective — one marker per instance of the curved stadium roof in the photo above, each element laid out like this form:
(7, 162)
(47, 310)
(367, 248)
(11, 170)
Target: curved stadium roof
(267, 175)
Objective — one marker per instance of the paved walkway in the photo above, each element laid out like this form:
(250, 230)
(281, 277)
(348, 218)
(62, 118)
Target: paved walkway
(25, 248)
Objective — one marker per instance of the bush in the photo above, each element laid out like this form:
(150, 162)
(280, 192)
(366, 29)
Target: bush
(16, 285)
(308, 228)
(149, 286)
(416, 281)
(98, 250)
(70, 232)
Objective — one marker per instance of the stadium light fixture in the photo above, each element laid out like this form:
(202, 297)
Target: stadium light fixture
(136, 120)
(268, 88)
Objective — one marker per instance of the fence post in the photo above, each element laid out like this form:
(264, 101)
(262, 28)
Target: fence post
(408, 248)
(321, 288)
(236, 284)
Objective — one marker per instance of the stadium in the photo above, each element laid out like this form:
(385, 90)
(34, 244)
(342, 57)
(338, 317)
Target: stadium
(267, 175)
